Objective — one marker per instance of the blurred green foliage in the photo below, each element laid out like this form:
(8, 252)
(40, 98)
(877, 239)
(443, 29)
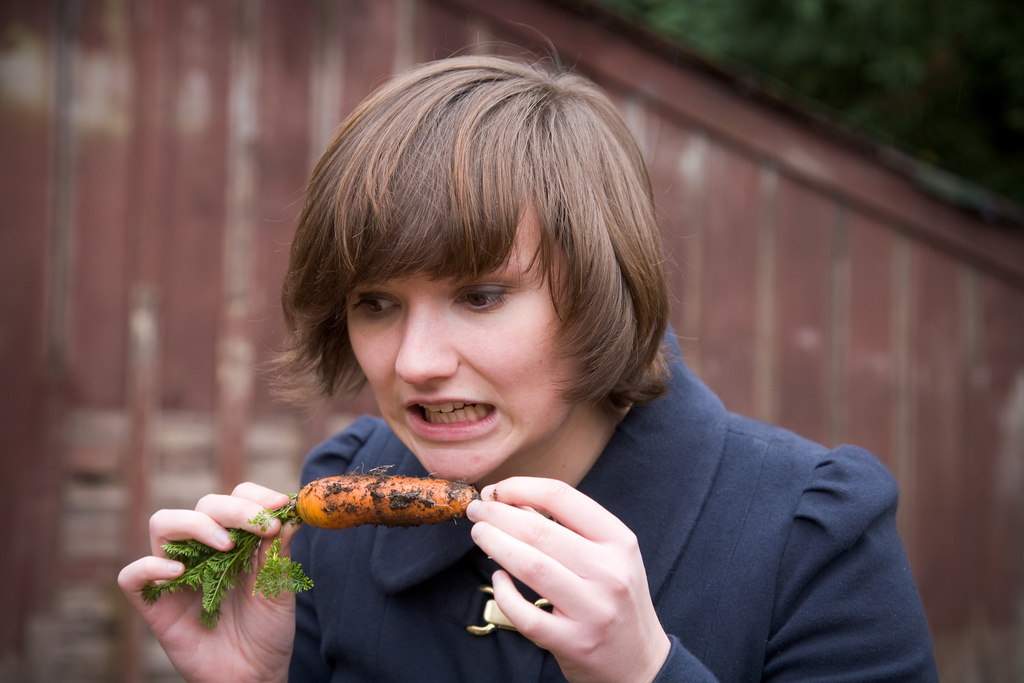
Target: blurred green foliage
(940, 79)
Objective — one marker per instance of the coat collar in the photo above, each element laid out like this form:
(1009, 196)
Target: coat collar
(402, 558)
(659, 466)
(654, 475)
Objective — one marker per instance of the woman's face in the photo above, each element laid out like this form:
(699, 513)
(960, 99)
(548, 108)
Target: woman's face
(468, 374)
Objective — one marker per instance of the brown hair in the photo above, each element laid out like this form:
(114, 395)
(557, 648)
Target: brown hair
(433, 173)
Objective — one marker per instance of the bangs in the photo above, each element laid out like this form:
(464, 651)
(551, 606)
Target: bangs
(446, 198)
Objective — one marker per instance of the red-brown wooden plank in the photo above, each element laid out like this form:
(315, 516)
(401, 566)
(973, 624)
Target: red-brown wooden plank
(287, 32)
(939, 466)
(369, 43)
(441, 32)
(676, 161)
(805, 225)
(192, 246)
(148, 217)
(732, 221)
(25, 184)
(995, 441)
(103, 133)
(870, 360)
(235, 357)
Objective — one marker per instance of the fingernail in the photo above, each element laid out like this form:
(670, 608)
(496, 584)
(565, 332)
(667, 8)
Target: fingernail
(222, 538)
(175, 567)
(472, 509)
(489, 493)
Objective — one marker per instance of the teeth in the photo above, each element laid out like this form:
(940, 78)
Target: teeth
(449, 413)
(445, 407)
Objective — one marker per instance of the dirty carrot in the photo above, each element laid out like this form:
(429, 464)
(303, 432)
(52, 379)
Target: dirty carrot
(377, 498)
(338, 502)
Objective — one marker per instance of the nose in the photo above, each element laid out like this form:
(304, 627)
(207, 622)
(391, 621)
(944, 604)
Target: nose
(427, 350)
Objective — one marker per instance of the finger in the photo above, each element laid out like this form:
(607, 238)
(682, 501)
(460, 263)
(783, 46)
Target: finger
(266, 498)
(170, 609)
(541, 572)
(570, 549)
(540, 626)
(571, 508)
(142, 572)
(237, 512)
(179, 525)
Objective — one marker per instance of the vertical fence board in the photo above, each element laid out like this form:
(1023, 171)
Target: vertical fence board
(235, 351)
(939, 469)
(26, 88)
(996, 433)
(441, 32)
(142, 405)
(869, 350)
(191, 250)
(730, 284)
(805, 224)
(369, 41)
(676, 161)
(102, 120)
(148, 217)
(286, 44)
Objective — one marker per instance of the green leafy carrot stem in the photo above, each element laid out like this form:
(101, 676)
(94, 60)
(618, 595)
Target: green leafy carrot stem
(214, 571)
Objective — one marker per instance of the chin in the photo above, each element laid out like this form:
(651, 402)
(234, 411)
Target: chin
(456, 469)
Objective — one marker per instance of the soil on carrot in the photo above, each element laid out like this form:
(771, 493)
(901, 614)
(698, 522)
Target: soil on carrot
(381, 493)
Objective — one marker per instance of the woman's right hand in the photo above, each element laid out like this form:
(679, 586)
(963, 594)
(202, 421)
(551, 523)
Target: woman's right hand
(253, 638)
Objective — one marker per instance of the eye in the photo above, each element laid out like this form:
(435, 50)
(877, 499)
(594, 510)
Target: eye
(371, 303)
(484, 298)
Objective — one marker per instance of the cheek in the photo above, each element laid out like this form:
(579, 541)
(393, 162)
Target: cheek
(373, 355)
(536, 378)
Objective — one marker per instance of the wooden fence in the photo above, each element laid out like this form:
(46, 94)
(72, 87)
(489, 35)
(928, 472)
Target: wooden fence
(153, 155)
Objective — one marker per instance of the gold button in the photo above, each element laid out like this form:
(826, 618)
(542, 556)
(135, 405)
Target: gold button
(495, 618)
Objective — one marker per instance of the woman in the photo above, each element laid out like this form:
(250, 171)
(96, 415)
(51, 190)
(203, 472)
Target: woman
(479, 245)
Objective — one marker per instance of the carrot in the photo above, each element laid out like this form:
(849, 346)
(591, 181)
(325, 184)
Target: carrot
(377, 498)
(331, 503)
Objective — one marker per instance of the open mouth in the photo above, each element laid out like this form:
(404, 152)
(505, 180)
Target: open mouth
(451, 413)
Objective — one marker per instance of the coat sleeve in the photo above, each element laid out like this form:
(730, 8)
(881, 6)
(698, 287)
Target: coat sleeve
(681, 666)
(846, 605)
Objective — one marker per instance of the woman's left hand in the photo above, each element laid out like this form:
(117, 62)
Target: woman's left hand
(587, 564)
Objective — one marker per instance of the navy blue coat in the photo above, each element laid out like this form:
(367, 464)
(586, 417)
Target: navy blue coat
(769, 558)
